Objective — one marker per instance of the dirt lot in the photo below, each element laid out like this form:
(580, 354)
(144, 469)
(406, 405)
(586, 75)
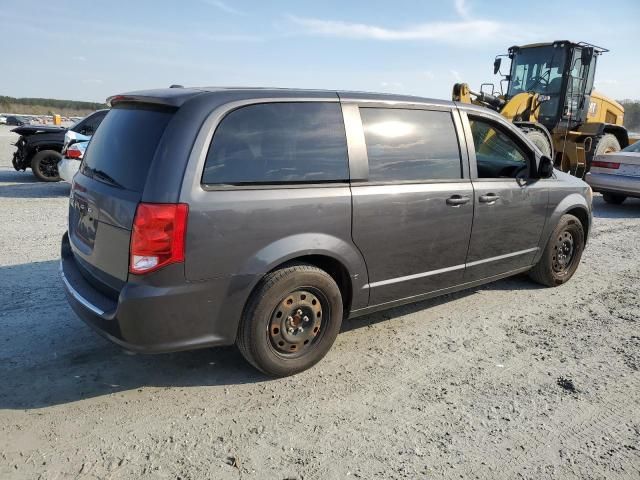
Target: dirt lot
(505, 381)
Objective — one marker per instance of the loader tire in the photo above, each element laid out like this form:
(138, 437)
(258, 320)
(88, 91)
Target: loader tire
(606, 143)
(540, 140)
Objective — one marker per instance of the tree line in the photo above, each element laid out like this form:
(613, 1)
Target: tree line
(41, 106)
(631, 115)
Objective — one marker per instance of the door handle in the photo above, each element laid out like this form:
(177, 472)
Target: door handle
(488, 198)
(457, 200)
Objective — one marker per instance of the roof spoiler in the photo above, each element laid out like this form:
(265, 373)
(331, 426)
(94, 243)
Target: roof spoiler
(167, 97)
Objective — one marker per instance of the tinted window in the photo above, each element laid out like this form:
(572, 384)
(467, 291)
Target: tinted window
(410, 144)
(634, 147)
(279, 143)
(92, 122)
(122, 148)
(497, 154)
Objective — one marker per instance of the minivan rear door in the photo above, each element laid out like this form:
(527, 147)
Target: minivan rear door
(412, 204)
(106, 191)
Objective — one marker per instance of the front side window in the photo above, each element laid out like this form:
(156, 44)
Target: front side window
(410, 145)
(497, 154)
(274, 143)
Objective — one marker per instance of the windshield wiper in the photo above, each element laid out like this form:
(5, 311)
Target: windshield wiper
(101, 175)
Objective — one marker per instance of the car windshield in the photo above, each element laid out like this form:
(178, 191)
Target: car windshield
(537, 69)
(634, 147)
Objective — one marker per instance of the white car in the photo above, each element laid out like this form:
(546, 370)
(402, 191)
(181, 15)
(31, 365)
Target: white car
(69, 165)
(616, 175)
(3, 120)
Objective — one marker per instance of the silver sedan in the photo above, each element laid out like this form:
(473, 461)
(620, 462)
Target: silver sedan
(616, 175)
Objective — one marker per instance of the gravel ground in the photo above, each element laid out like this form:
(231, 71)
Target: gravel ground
(505, 381)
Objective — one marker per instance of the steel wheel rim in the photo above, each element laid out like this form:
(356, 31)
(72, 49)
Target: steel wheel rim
(49, 166)
(563, 252)
(297, 322)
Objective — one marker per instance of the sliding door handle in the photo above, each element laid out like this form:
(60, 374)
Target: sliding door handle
(488, 198)
(457, 200)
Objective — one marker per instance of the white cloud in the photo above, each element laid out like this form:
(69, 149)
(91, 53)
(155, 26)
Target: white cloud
(607, 81)
(219, 4)
(462, 8)
(460, 32)
(79, 58)
(391, 84)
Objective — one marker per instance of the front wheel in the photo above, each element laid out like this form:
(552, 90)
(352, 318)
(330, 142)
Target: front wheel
(44, 165)
(291, 320)
(562, 254)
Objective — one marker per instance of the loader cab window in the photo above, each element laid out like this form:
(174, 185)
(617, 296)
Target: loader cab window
(537, 69)
(498, 155)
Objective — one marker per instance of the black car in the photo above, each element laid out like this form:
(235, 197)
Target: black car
(39, 146)
(17, 121)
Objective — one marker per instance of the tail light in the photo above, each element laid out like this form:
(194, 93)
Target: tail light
(157, 237)
(600, 164)
(73, 153)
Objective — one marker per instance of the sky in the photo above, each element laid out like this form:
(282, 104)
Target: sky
(89, 50)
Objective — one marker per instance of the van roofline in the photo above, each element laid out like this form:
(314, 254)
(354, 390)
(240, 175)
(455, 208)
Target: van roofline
(176, 97)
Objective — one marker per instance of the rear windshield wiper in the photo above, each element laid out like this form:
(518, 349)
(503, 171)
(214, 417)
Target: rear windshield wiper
(101, 175)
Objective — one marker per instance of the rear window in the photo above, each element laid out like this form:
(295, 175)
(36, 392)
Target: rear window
(121, 150)
(275, 143)
(410, 145)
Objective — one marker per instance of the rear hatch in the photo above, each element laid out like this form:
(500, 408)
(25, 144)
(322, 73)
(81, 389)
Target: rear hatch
(106, 191)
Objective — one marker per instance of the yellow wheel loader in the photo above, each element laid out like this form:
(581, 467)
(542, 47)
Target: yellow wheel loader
(549, 94)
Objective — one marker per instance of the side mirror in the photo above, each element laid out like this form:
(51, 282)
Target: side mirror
(545, 168)
(496, 65)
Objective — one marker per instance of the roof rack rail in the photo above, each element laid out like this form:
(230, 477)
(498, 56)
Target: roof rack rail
(598, 50)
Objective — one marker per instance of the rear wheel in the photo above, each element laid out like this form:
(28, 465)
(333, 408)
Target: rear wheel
(291, 320)
(614, 198)
(44, 165)
(562, 254)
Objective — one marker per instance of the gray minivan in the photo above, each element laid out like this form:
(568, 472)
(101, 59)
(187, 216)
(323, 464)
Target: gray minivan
(263, 217)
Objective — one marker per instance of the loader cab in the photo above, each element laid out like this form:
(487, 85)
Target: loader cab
(562, 73)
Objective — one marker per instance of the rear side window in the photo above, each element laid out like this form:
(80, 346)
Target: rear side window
(404, 145)
(121, 150)
(275, 143)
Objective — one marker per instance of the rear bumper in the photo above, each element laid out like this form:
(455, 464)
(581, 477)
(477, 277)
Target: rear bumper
(67, 168)
(622, 184)
(149, 318)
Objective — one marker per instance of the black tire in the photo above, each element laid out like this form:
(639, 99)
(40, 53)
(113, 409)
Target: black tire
(44, 165)
(540, 140)
(614, 198)
(259, 339)
(551, 270)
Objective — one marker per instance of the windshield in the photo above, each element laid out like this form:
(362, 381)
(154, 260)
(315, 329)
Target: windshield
(634, 147)
(537, 69)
